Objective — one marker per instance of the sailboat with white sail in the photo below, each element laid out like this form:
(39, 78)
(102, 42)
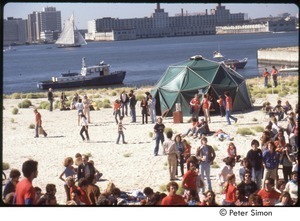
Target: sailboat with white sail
(70, 35)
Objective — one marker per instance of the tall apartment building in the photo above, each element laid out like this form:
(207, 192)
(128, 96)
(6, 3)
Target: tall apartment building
(14, 31)
(45, 25)
(33, 24)
(160, 24)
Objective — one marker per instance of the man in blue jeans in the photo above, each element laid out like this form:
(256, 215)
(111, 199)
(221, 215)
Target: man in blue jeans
(159, 128)
(228, 108)
(205, 155)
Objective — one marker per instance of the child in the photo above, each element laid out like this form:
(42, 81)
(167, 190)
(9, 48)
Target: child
(117, 109)
(120, 131)
(232, 152)
(84, 128)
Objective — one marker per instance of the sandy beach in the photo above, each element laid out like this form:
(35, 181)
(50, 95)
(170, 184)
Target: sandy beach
(129, 166)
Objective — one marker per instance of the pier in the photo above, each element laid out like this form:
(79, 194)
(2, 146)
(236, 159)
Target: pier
(279, 56)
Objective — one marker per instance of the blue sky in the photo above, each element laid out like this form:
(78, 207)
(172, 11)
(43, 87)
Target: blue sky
(89, 11)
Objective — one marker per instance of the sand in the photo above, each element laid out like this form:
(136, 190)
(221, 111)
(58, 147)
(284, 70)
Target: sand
(131, 166)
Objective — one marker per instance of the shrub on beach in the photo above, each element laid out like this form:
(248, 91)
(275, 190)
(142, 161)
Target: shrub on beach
(16, 96)
(167, 129)
(258, 128)
(106, 105)
(5, 166)
(151, 134)
(44, 105)
(25, 104)
(15, 111)
(36, 95)
(245, 131)
(163, 188)
(12, 120)
(31, 126)
(215, 165)
(127, 154)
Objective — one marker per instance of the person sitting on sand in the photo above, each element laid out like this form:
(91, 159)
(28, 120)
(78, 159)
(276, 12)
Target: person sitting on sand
(193, 128)
(232, 152)
(278, 110)
(221, 135)
(202, 128)
(173, 199)
(98, 175)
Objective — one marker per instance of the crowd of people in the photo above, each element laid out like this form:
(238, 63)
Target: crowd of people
(258, 171)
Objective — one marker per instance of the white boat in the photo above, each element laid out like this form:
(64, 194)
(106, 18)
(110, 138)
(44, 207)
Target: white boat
(217, 54)
(287, 69)
(10, 48)
(70, 36)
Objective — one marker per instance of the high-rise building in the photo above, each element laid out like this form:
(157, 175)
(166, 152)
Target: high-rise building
(33, 24)
(14, 31)
(160, 24)
(41, 25)
(50, 19)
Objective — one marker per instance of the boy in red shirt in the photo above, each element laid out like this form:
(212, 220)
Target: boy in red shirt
(173, 199)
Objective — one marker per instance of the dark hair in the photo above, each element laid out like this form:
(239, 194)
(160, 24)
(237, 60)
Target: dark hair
(254, 142)
(36, 188)
(77, 192)
(229, 161)
(50, 187)
(14, 173)
(255, 199)
(271, 180)
(172, 183)
(83, 182)
(116, 192)
(169, 134)
(29, 167)
(147, 191)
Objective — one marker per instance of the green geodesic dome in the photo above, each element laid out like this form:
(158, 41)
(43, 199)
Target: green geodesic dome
(182, 81)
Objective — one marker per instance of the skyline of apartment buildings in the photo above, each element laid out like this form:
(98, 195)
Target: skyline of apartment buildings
(46, 26)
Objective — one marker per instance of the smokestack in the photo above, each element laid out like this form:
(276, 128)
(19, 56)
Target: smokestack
(181, 11)
(206, 11)
(158, 6)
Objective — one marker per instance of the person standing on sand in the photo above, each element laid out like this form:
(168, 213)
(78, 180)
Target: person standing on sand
(205, 155)
(38, 123)
(266, 75)
(132, 103)
(195, 106)
(274, 75)
(50, 98)
(86, 108)
(117, 109)
(170, 149)
(25, 193)
(84, 128)
(120, 131)
(124, 101)
(228, 108)
(159, 128)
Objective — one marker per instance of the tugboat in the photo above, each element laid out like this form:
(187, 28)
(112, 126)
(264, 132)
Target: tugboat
(233, 63)
(96, 75)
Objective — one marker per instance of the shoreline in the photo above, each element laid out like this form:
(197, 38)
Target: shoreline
(130, 166)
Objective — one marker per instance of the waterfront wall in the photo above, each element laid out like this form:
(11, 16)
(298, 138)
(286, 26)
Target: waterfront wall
(279, 56)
